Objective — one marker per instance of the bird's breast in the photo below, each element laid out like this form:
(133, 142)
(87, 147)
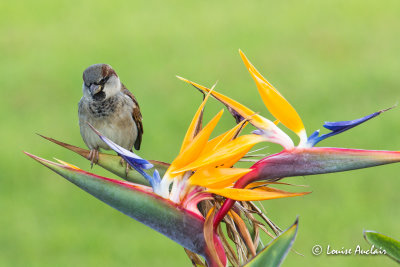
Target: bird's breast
(113, 118)
(104, 108)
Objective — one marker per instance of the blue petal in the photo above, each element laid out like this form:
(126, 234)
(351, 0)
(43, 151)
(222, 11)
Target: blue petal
(129, 156)
(313, 135)
(138, 163)
(339, 127)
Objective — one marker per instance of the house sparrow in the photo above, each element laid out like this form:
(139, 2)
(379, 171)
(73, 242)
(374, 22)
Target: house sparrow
(109, 107)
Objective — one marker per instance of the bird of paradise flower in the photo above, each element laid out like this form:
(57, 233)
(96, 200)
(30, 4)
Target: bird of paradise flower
(204, 172)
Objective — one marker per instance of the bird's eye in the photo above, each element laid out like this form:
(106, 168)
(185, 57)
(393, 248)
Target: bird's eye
(104, 80)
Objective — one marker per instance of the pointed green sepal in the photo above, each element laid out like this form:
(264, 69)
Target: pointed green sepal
(275, 252)
(382, 242)
(140, 203)
(113, 164)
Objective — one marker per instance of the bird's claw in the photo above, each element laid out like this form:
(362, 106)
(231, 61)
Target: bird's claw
(93, 157)
(127, 166)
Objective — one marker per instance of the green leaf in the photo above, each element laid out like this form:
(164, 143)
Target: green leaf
(139, 203)
(380, 241)
(275, 252)
(112, 163)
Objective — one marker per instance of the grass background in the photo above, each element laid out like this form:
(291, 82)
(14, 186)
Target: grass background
(333, 60)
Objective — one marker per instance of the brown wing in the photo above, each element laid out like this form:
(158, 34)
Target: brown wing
(137, 117)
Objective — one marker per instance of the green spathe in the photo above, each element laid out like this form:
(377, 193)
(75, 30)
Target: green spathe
(318, 160)
(139, 203)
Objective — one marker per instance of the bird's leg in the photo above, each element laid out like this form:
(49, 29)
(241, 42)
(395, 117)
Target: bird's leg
(121, 161)
(127, 166)
(93, 157)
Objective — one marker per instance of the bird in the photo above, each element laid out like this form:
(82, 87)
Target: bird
(109, 107)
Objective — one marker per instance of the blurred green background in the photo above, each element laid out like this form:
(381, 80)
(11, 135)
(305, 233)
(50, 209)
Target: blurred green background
(335, 60)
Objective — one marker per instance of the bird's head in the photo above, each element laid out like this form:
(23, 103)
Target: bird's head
(100, 82)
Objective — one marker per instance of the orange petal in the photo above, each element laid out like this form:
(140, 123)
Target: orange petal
(239, 145)
(212, 143)
(191, 132)
(279, 107)
(231, 134)
(194, 148)
(272, 132)
(229, 163)
(255, 119)
(253, 195)
(217, 177)
(224, 138)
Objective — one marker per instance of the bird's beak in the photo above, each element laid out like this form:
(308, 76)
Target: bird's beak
(95, 88)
